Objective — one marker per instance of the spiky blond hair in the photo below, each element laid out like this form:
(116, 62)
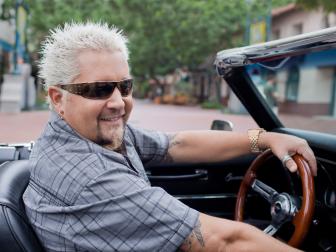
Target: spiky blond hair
(59, 52)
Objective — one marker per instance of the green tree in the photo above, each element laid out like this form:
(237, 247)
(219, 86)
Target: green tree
(176, 33)
(327, 5)
(163, 34)
(47, 14)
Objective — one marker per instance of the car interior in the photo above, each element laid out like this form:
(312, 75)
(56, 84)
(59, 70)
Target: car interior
(216, 188)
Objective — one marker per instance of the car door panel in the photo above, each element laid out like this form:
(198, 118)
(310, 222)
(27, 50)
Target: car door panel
(214, 193)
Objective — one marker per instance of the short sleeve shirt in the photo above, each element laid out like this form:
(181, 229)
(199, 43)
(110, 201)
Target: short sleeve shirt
(83, 197)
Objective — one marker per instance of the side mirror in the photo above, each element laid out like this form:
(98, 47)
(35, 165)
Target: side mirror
(222, 125)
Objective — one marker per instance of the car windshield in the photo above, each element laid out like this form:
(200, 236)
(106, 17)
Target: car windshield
(301, 90)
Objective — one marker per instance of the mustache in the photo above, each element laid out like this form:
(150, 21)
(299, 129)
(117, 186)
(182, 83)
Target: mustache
(112, 115)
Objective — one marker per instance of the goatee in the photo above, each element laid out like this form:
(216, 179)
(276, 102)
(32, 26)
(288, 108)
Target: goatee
(115, 141)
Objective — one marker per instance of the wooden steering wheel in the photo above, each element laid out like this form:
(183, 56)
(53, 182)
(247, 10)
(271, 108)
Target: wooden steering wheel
(284, 207)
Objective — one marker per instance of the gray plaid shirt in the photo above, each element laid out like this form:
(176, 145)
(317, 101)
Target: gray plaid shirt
(83, 197)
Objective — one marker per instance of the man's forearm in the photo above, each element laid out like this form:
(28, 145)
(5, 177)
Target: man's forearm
(206, 146)
(215, 234)
(212, 146)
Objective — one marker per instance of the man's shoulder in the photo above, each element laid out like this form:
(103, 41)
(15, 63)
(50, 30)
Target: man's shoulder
(138, 134)
(65, 168)
(62, 174)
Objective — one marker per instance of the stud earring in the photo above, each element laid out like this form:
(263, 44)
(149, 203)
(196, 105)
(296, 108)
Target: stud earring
(61, 113)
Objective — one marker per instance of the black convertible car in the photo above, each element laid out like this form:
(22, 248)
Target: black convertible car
(287, 86)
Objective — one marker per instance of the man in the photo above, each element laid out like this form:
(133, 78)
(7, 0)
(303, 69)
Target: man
(88, 190)
(270, 91)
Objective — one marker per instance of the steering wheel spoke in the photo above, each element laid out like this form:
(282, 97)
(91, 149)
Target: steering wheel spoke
(271, 229)
(264, 190)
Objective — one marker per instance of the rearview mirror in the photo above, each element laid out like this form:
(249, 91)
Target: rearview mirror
(222, 125)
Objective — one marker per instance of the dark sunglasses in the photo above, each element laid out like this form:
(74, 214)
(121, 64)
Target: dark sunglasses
(99, 89)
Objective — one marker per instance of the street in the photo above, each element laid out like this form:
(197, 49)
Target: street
(27, 126)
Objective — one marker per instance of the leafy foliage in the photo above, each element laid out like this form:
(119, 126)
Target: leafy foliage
(163, 34)
(177, 33)
(327, 5)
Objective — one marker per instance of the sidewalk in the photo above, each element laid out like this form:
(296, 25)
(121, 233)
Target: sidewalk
(27, 126)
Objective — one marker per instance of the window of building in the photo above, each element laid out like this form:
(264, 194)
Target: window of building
(297, 29)
(333, 95)
(325, 21)
(276, 34)
(292, 84)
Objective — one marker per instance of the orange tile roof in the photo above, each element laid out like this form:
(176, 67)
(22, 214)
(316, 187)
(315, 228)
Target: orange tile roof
(284, 9)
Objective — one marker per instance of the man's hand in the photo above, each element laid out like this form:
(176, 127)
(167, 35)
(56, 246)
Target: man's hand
(284, 146)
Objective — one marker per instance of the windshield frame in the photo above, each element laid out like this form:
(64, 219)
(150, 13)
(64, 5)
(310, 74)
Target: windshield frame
(297, 45)
(230, 65)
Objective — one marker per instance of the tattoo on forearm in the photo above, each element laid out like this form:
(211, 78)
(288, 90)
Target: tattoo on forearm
(172, 142)
(186, 245)
(168, 158)
(196, 233)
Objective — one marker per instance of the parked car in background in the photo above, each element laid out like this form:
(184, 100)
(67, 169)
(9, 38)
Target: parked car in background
(296, 87)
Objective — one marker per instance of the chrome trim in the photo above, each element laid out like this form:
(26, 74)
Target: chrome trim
(29, 145)
(203, 197)
(326, 160)
(294, 45)
(265, 191)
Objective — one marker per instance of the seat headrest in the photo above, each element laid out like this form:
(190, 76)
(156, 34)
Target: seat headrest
(14, 177)
(16, 233)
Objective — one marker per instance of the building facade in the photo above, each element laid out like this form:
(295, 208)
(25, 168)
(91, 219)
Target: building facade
(307, 86)
(7, 44)
(13, 37)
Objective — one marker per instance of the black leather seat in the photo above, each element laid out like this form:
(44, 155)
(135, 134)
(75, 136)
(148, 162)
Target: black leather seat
(16, 233)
